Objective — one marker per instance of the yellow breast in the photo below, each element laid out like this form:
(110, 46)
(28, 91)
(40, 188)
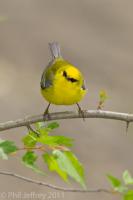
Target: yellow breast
(64, 92)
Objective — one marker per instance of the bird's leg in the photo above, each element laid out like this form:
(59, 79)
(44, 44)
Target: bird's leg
(81, 112)
(46, 112)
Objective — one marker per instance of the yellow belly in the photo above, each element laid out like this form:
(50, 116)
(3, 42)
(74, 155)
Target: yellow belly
(63, 93)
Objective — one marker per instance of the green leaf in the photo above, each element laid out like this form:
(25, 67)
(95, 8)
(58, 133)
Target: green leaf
(48, 126)
(68, 163)
(40, 125)
(128, 180)
(116, 184)
(129, 195)
(41, 128)
(30, 140)
(52, 125)
(103, 96)
(7, 147)
(3, 155)
(53, 165)
(55, 140)
(43, 132)
(29, 160)
(44, 128)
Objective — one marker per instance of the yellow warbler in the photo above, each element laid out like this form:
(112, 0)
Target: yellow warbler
(61, 82)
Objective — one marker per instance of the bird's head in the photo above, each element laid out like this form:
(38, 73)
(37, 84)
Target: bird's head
(72, 75)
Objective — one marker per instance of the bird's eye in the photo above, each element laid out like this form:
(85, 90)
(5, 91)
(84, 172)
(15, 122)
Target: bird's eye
(64, 74)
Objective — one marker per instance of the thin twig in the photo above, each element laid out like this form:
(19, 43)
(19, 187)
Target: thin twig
(33, 130)
(53, 186)
(41, 148)
(127, 126)
(67, 115)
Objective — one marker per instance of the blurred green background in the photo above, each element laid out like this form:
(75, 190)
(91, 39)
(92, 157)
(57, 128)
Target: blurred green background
(96, 36)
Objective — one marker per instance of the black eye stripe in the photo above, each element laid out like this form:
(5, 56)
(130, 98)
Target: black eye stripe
(68, 78)
(72, 80)
(64, 74)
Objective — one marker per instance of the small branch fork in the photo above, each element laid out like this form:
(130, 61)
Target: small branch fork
(27, 121)
(67, 115)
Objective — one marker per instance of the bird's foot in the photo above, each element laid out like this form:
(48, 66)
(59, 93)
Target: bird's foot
(46, 114)
(81, 112)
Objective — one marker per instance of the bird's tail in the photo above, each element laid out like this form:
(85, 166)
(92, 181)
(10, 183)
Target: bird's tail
(55, 50)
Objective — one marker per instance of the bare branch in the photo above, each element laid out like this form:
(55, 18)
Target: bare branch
(67, 115)
(52, 186)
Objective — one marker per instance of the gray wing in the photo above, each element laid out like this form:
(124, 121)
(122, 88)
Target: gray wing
(47, 77)
(84, 85)
(45, 83)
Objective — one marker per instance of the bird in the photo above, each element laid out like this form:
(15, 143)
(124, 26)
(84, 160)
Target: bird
(62, 83)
